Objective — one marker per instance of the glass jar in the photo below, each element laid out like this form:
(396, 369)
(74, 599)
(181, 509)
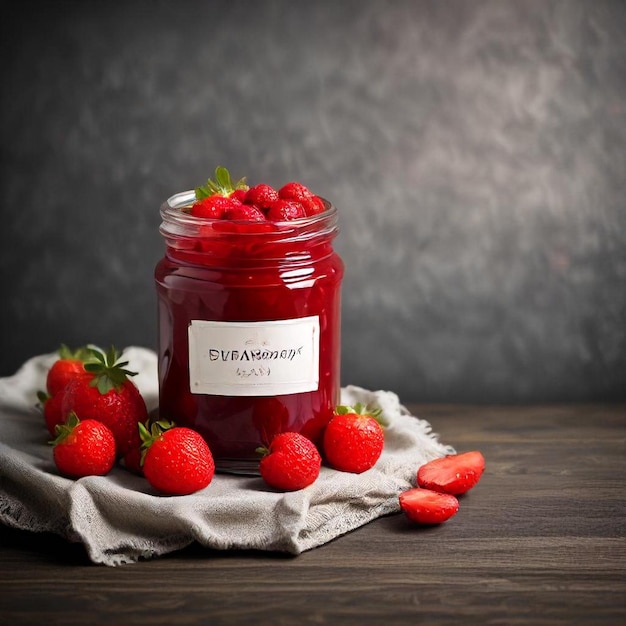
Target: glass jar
(249, 328)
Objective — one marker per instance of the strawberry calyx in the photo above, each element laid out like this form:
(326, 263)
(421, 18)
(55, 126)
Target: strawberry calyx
(362, 409)
(149, 432)
(83, 353)
(64, 430)
(223, 185)
(108, 371)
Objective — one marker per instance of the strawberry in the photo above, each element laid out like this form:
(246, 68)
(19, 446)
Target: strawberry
(292, 462)
(107, 394)
(454, 473)
(285, 210)
(245, 212)
(299, 193)
(51, 407)
(175, 460)
(83, 448)
(314, 206)
(132, 461)
(353, 439)
(294, 191)
(428, 507)
(68, 366)
(239, 195)
(213, 207)
(261, 196)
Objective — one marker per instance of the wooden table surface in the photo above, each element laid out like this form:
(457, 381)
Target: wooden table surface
(541, 540)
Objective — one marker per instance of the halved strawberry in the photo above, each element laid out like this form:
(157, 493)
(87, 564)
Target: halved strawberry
(454, 473)
(424, 506)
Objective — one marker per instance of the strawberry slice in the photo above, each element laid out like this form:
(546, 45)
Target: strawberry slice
(424, 506)
(454, 474)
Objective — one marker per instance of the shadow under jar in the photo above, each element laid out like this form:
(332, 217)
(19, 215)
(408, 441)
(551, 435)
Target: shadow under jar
(249, 328)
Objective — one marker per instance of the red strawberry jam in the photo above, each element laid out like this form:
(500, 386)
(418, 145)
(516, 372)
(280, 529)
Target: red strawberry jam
(249, 328)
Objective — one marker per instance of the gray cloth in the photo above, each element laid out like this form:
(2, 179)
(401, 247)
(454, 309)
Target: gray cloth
(121, 519)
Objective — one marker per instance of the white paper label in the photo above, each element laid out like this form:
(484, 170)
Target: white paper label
(254, 358)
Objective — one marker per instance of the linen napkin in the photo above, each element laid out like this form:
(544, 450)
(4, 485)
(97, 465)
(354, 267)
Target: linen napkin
(120, 519)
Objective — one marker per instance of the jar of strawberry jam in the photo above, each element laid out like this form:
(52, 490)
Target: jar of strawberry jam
(249, 328)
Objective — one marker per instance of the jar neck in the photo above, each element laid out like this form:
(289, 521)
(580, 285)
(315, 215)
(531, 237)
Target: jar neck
(201, 241)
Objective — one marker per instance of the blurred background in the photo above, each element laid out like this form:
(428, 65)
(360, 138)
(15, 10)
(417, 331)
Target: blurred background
(475, 150)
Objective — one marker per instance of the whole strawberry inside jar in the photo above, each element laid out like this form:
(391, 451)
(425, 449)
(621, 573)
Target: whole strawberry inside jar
(249, 328)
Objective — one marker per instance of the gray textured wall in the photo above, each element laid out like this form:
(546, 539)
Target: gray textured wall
(476, 151)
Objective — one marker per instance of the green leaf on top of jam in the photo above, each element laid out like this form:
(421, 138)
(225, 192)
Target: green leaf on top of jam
(223, 185)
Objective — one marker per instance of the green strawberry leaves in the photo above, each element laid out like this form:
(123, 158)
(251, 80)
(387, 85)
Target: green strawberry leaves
(80, 354)
(150, 432)
(221, 186)
(362, 409)
(62, 431)
(108, 370)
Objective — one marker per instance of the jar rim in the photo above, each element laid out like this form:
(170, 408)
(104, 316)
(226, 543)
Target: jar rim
(171, 214)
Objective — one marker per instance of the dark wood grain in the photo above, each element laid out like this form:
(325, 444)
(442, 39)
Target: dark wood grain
(541, 540)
